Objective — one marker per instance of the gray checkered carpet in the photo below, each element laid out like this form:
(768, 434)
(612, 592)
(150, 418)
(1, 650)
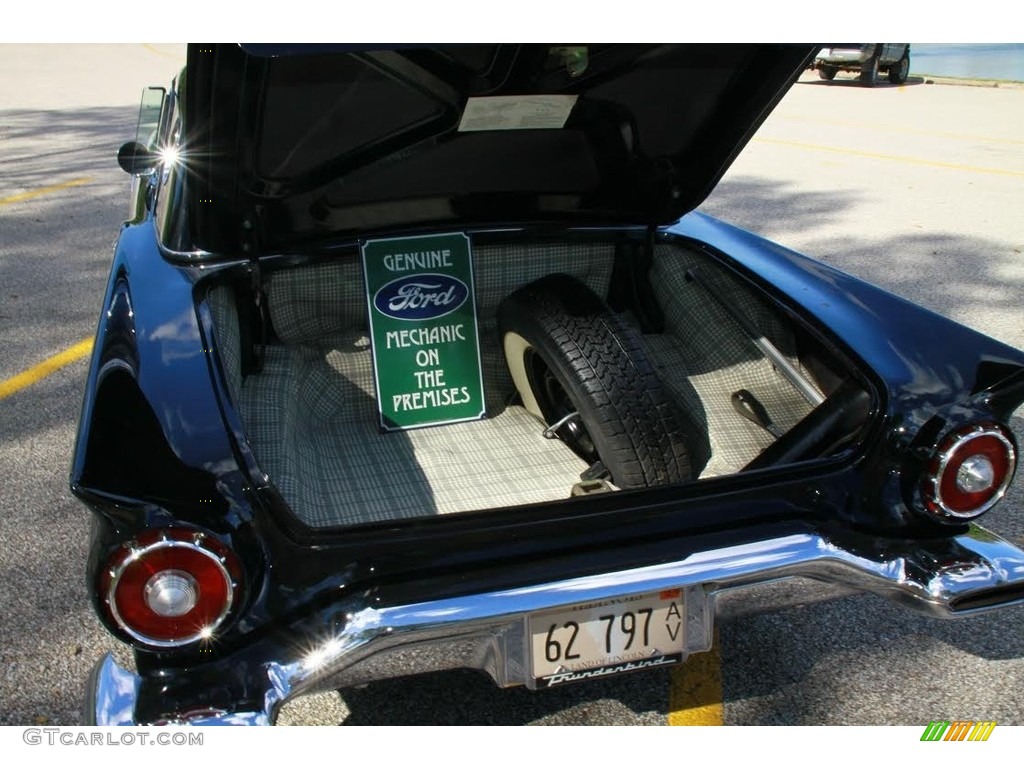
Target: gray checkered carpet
(311, 417)
(312, 422)
(706, 347)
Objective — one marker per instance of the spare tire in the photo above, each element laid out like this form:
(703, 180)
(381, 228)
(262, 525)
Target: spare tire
(568, 353)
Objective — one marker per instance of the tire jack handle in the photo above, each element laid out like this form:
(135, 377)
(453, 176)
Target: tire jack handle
(552, 432)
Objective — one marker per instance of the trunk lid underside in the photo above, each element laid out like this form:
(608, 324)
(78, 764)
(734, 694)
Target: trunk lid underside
(287, 144)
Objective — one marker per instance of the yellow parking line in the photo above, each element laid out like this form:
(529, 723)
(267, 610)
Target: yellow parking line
(153, 49)
(44, 190)
(696, 694)
(50, 365)
(895, 158)
(897, 129)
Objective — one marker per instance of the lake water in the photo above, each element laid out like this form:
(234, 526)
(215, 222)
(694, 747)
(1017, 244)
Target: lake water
(988, 61)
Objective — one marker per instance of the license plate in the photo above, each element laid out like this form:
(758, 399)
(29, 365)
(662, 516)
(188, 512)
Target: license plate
(606, 637)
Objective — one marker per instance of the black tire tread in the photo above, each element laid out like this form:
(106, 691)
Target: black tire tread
(639, 431)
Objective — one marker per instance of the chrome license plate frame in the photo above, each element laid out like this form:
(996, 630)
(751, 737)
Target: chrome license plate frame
(606, 637)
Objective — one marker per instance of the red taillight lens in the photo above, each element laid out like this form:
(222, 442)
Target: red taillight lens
(171, 587)
(969, 472)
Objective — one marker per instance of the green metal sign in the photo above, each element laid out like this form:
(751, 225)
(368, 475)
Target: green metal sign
(426, 352)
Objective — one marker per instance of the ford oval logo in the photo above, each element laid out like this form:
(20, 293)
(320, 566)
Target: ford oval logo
(421, 297)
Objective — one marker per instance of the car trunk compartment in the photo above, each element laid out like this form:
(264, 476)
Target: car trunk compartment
(310, 414)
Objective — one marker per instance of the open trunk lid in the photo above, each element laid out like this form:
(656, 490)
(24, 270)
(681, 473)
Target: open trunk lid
(287, 144)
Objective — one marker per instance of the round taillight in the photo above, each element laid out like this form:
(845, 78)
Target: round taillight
(171, 587)
(970, 472)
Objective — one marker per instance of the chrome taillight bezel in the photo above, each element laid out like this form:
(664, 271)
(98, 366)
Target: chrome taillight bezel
(949, 448)
(212, 552)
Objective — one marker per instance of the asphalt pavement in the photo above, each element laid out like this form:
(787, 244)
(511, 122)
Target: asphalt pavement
(918, 188)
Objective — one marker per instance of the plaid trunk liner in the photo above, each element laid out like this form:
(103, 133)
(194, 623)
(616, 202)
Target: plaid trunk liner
(312, 422)
(311, 419)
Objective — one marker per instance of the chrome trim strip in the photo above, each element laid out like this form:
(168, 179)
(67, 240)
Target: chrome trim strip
(802, 384)
(487, 631)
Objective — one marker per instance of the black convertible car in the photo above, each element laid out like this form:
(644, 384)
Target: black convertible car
(419, 359)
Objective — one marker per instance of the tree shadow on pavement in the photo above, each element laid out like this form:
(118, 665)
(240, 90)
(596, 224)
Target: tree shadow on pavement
(470, 698)
(55, 253)
(973, 280)
(40, 147)
(56, 247)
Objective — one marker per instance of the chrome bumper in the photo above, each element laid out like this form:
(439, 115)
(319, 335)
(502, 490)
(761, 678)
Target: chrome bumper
(961, 575)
